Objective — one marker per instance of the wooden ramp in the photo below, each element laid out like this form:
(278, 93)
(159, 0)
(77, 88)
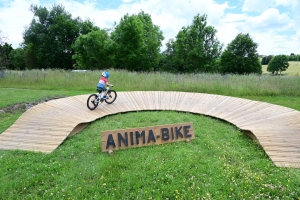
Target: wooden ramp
(45, 126)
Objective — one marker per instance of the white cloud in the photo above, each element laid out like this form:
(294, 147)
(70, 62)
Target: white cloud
(267, 28)
(257, 5)
(274, 44)
(87, 10)
(172, 15)
(269, 20)
(226, 33)
(14, 16)
(286, 2)
(234, 17)
(169, 15)
(227, 27)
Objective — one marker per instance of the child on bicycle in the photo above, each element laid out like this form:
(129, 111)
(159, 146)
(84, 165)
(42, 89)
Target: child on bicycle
(102, 82)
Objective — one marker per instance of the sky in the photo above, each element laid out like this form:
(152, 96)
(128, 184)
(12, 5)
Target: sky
(273, 24)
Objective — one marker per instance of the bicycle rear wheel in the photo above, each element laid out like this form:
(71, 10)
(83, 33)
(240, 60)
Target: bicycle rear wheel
(112, 95)
(92, 102)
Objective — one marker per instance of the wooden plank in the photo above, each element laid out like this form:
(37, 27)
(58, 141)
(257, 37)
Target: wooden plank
(166, 98)
(276, 128)
(191, 101)
(120, 104)
(157, 100)
(285, 159)
(283, 147)
(259, 118)
(287, 164)
(287, 144)
(186, 102)
(138, 98)
(216, 110)
(173, 101)
(43, 148)
(239, 109)
(212, 103)
(133, 105)
(29, 145)
(178, 98)
(152, 100)
(198, 99)
(201, 104)
(36, 140)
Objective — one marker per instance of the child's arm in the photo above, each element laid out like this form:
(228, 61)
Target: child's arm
(108, 84)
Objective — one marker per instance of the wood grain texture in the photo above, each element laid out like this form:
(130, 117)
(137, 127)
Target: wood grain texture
(45, 126)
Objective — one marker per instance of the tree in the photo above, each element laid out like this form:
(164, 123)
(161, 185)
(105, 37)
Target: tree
(2, 38)
(196, 47)
(152, 41)
(269, 58)
(240, 56)
(136, 43)
(278, 64)
(5, 49)
(48, 39)
(292, 57)
(128, 43)
(17, 59)
(265, 60)
(167, 58)
(93, 51)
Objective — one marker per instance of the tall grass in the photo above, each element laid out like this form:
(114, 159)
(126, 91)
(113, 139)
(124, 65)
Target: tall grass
(232, 85)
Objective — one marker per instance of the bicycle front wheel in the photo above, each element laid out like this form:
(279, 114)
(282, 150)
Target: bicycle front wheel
(112, 95)
(92, 102)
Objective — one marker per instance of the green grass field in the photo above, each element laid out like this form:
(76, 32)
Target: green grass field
(293, 69)
(221, 163)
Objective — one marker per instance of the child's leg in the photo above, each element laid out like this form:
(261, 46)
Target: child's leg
(105, 89)
(100, 91)
(104, 92)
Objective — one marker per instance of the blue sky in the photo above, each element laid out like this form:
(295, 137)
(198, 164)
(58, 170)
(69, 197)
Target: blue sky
(273, 24)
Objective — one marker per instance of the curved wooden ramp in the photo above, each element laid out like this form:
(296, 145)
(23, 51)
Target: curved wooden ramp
(45, 126)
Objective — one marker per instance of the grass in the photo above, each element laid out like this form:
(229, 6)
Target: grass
(231, 85)
(221, 163)
(7, 119)
(14, 96)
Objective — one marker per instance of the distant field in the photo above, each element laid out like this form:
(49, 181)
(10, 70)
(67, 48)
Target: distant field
(293, 70)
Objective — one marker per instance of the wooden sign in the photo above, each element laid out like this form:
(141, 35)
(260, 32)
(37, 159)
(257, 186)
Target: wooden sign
(146, 136)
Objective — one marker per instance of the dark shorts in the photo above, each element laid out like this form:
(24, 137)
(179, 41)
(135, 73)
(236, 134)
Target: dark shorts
(100, 89)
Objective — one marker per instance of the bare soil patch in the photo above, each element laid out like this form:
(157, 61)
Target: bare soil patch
(21, 107)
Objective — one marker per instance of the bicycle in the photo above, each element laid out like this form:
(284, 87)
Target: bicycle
(94, 99)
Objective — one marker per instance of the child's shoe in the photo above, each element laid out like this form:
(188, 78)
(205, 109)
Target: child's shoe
(104, 97)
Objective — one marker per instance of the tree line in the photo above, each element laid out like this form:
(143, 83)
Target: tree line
(54, 39)
(292, 57)
(277, 64)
